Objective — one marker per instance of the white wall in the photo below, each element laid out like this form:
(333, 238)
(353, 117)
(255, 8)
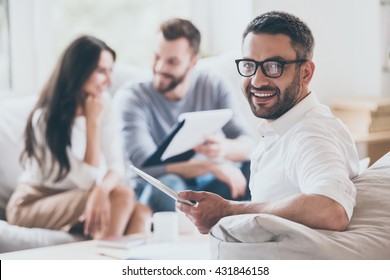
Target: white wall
(385, 53)
(222, 22)
(348, 52)
(348, 44)
(32, 57)
(22, 41)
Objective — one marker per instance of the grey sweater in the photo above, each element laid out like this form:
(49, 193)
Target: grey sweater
(147, 116)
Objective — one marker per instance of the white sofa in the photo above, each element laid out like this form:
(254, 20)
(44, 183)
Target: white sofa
(14, 109)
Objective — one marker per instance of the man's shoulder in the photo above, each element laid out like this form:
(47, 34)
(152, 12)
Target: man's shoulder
(136, 87)
(319, 125)
(203, 76)
(210, 84)
(134, 90)
(133, 95)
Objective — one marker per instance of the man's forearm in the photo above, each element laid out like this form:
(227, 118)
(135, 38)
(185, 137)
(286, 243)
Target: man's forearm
(190, 169)
(315, 211)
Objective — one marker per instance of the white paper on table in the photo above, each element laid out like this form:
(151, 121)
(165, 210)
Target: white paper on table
(196, 126)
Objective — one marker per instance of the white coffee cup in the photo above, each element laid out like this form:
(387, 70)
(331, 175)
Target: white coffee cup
(165, 227)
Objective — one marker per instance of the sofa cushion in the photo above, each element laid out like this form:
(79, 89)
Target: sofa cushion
(262, 236)
(13, 115)
(124, 73)
(13, 238)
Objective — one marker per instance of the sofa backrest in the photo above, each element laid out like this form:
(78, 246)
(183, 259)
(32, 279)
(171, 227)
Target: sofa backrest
(13, 116)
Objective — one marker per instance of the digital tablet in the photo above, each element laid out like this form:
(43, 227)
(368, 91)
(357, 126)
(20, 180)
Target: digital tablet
(162, 187)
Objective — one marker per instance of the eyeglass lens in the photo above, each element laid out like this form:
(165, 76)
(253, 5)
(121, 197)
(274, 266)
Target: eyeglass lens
(269, 68)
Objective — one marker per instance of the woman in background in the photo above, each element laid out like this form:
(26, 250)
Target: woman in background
(73, 152)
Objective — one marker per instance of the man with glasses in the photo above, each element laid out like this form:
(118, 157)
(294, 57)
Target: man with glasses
(150, 109)
(302, 167)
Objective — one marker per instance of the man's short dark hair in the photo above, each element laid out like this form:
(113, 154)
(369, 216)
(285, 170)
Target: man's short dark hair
(176, 28)
(274, 22)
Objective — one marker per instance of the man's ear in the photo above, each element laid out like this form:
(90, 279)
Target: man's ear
(194, 60)
(307, 71)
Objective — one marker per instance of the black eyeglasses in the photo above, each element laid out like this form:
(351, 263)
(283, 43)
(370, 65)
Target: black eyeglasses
(270, 68)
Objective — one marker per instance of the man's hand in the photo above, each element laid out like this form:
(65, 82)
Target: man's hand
(213, 147)
(219, 147)
(209, 210)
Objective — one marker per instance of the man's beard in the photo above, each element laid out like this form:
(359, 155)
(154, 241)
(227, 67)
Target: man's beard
(175, 81)
(288, 100)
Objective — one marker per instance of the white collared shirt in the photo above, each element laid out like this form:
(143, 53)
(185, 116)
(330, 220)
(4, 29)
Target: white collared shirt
(307, 150)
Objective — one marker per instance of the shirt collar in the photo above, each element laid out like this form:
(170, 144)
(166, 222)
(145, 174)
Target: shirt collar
(294, 115)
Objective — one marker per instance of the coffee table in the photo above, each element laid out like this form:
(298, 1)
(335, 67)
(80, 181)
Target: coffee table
(187, 247)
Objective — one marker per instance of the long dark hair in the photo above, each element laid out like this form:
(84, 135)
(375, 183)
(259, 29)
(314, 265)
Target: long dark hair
(59, 100)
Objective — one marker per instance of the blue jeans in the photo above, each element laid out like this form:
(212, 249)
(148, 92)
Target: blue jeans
(159, 201)
(155, 198)
(209, 183)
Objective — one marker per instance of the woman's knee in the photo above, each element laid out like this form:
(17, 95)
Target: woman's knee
(122, 193)
(143, 210)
